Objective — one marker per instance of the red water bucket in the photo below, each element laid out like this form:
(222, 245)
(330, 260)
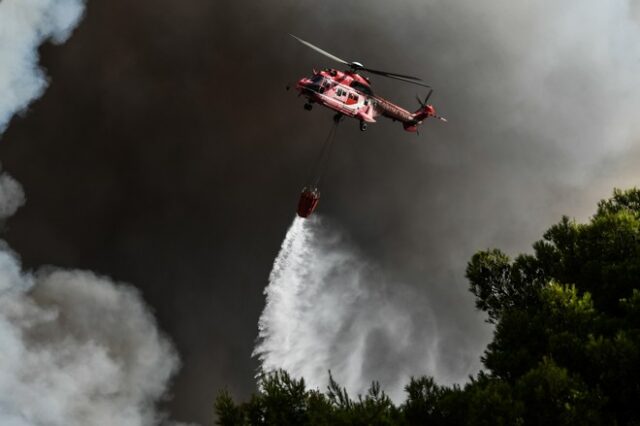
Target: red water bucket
(309, 198)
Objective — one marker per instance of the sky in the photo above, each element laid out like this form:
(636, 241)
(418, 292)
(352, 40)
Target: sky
(166, 153)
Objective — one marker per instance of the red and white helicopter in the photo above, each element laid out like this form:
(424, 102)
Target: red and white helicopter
(349, 94)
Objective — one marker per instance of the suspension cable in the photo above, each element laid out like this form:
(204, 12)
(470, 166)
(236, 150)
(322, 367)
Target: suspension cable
(320, 165)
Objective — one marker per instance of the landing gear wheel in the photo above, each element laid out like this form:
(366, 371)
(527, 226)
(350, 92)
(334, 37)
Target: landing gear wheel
(338, 118)
(308, 107)
(363, 126)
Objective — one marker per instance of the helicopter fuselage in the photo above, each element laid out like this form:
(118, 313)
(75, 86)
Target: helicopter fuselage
(349, 93)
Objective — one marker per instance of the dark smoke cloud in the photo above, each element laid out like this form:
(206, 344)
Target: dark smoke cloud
(169, 131)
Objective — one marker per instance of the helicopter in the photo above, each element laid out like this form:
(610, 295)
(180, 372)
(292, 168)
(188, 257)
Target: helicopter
(349, 94)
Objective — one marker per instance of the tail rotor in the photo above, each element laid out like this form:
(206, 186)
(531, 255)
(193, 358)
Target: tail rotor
(426, 99)
(430, 110)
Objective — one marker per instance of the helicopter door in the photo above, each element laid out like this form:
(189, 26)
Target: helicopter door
(352, 99)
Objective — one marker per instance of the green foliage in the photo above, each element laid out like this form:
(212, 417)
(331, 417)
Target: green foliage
(423, 401)
(492, 402)
(566, 346)
(229, 414)
(571, 354)
(499, 285)
(601, 257)
(549, 394)
(628, 201)
(283, 400)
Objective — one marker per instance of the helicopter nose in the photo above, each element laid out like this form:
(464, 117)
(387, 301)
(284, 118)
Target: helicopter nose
(303, 83)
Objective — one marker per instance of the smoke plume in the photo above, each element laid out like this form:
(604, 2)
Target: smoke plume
(75, 348)
(11, 196)
(24, 25)
(329, 309)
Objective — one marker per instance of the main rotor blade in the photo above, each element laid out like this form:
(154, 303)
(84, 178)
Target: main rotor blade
(428, 96)
(323, 52)
(356, 66)
(406, 80)
(390, 74)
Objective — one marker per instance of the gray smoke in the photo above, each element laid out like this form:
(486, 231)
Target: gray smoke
(75, 348)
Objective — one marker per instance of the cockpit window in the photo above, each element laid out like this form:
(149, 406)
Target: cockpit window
(361, 87)
(317, 78)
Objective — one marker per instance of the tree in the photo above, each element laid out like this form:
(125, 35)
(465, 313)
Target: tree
(567, 316)
(283, 400)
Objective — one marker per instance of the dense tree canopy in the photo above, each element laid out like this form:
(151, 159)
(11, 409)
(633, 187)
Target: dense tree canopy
(566, 346)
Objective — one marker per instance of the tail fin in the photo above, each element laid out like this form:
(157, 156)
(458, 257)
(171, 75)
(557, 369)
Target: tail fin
(425, 111)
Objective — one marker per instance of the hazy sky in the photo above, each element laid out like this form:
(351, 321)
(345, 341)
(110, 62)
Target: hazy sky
(166, 153)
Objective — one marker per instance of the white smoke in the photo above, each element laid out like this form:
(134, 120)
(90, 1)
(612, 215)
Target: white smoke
(328, 309)
(24, 25)
(75, 349)
(11, 196)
